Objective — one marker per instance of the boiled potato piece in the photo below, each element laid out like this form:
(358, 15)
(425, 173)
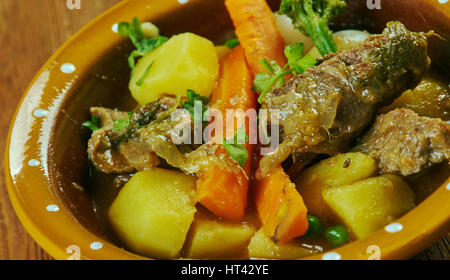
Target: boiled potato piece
(431, 98)
(368, 205)
(149, 29)
(340, 170)
(153, 212)
(290, 34)
(345, 39)
(186, 61)
(217, 239)
(222, 51)
(262, 247)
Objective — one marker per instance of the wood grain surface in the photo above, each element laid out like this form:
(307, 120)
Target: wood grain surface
(30, 31)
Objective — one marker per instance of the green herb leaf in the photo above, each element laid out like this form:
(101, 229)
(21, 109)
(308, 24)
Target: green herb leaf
(264, 82)
(193, 97)
(297, 64)
(296, 60)
(236, 148)
(132, 58)
(232, 43)
(121, 124)
(143, 44)
(148, 45)
(294, 53)
(147, 71)
(93, 124)
(123, 29)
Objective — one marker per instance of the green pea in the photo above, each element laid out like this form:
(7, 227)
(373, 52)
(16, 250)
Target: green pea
(315, 227)
(336, 235)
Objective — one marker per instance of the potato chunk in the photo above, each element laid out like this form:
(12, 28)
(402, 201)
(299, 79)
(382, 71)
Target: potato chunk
(186, 61)
(217, 239)
(368, 205)
(153, 212)
(336, 171)
(262, 247)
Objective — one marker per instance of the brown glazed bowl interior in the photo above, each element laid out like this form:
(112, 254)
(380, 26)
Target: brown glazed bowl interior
(47, 163)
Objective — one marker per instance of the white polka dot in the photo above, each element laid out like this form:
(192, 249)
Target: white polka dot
(96, 245)
(183, 1)
(394, 227)
(443, 1)
(448, 186)
(39, 113)
(52, 208)
(115, 28)
(331, 256)
(68, 68)
(34, 162)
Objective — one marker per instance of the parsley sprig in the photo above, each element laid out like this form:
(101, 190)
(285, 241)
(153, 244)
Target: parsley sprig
(93, 124)
(194, 98)
(144, 45)
(232, 43)
(146, 73)
(121, 124)
(297, 63)
(235, 146)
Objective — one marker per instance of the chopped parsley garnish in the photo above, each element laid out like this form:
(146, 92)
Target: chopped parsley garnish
(93, 124)
(297, 64)
(194, 98)
(147, 71)
(236, 148)
(125, 123)
(121, 124)
(232, 43)
(144, 45)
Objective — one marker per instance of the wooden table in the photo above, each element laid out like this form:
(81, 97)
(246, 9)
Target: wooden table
(30, 31)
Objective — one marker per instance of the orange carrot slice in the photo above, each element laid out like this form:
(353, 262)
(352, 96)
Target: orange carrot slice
(257, 32)
(280, 207)
(224, 192)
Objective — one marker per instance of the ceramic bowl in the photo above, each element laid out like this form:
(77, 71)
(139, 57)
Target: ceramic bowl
(46, 163)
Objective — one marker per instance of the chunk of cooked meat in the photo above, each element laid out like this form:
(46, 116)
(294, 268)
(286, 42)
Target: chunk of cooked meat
(107, 116)
(122, 151)
(128, 157)
(125, 158)
(403, 142)
(325, 108)
(147, 139)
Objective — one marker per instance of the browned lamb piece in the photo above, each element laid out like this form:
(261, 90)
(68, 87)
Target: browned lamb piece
(324, 109)
(147, 140)
(405, 143)
(124, 151)
(128, 157)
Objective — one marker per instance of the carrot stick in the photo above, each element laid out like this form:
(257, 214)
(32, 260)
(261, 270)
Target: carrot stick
(280, 207)
(257, 32)
(224, 192)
